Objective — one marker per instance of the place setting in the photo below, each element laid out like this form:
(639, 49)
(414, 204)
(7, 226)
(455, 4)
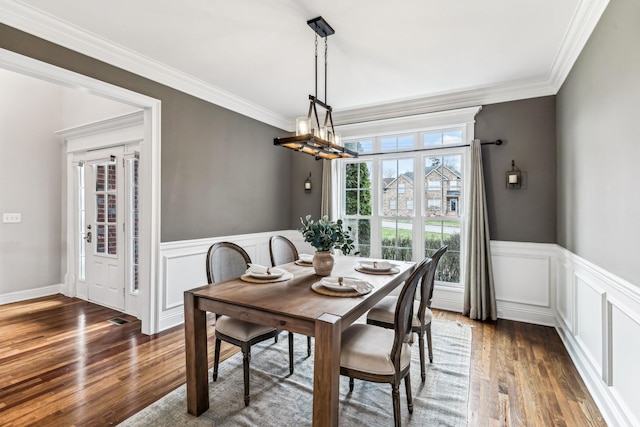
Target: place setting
(305, 260)
(376, 267)
(260, 274)
(342, 286)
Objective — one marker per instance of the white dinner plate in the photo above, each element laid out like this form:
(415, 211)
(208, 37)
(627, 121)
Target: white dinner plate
(306, 258)
(273, 273)
(376, 265)
(347, 283)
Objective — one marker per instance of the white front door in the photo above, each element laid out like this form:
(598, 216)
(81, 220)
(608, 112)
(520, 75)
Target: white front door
(104, 202)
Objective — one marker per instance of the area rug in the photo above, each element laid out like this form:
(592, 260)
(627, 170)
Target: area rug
(280, 399)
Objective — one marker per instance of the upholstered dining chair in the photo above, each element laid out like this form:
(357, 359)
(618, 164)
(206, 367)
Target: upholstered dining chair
(383, 355)
(226, 260)
(383, 313)
(283, 251)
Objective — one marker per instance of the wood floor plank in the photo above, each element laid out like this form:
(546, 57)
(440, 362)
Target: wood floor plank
(62, 363)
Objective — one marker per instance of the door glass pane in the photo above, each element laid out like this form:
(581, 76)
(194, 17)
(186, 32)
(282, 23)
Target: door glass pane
(135, 226)
(106, 208)
(111, 184)
(100, 178)
(112, 208)
(112, 239)
(100, 208)
(100, 239)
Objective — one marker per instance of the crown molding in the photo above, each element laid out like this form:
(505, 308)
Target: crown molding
(581, 27)
(33, 21)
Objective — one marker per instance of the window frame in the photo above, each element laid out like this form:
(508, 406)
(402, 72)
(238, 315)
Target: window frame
(456, 120)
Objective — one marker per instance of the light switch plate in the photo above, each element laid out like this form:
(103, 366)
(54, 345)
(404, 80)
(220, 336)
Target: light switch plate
(11, 217)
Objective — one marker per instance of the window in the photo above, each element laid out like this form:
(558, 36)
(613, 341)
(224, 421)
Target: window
(134, 221)
(385, 223)
(357, 204)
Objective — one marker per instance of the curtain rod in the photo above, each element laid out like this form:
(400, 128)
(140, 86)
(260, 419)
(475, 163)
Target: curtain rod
(442, 147)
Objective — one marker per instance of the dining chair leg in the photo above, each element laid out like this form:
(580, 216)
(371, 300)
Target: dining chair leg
(275, 339)
(308, 346)
(407, 386)
(216, 359)
(395, 393)
(290, 353)
(423, 373)
(429, 343)
(246, 358)
(350, 383)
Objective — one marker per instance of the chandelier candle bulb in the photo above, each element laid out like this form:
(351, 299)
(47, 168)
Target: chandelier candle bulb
(303, 126)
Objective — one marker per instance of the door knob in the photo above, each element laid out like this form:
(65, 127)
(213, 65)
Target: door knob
(88, 237)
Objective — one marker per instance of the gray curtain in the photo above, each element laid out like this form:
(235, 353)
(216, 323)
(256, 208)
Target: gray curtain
(479, 291)
(325, 204)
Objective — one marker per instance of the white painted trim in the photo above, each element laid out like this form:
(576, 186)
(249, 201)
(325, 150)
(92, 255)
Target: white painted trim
(614, 292)
(413, 123)
(33, 21)
(150, 162)
(31, 293)
(582, 25)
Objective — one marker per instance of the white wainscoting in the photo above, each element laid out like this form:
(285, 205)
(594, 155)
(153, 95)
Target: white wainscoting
(182, 267)
(598, 317)
(597, 314)
(524, 283)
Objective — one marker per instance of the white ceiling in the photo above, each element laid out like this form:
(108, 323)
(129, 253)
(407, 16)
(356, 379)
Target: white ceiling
(257, 57)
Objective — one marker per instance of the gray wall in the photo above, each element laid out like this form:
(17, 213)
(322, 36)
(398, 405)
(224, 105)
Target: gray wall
(528, 130)
(598, 146)
(221, 173)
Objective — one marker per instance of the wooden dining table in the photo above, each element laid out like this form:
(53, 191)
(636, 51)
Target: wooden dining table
(290, 305)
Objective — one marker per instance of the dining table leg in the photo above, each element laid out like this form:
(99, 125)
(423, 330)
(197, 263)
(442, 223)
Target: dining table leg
(195, 337)
(326, 370)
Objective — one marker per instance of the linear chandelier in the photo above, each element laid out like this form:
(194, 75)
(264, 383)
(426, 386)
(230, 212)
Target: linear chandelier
(312, 137)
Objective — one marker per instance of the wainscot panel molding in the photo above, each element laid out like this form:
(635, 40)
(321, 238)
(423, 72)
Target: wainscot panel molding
(598, 319)
(183, 267)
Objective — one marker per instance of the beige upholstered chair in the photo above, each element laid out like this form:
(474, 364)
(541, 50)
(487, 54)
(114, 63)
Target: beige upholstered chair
(383, 313)
(283, 251)
(226, 260)
(383, 355)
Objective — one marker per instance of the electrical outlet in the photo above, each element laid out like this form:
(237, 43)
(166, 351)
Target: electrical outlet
(11, 217)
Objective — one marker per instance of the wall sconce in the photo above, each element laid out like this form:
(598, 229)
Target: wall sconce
(514, 177)
(307, 184)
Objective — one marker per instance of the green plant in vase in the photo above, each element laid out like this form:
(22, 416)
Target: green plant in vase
(326, 235)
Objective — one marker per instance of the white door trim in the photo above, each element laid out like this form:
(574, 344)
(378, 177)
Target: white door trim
(149, 167)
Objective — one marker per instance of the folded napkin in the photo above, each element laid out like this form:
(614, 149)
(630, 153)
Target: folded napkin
(349, 282)
(378, 265)
(258, 269)
(306, 258)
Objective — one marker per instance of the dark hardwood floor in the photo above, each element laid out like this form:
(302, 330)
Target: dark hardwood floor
(63, 363)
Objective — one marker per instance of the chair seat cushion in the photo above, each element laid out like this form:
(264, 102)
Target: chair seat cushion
(367, 348)
(385, 311)
(239, 329)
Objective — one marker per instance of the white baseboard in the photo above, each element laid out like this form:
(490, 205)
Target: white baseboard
(31, 293)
